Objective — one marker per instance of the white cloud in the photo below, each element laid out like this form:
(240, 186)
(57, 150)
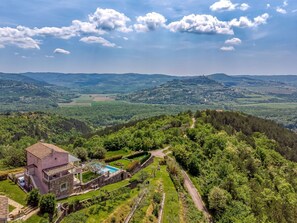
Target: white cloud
(281, 10)
(110, 19)
(125, 38)
(244, 22)
(244, 7)
(227, 5)
(227, 48)
(96, 39)
(201, 24)
(285, 3)
(150, 22)
(233, 41)
(61, 51)
(15, 37)
(47, 56)
(268, 6)
(295, 10)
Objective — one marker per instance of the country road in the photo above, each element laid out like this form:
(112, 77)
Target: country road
(188, 182)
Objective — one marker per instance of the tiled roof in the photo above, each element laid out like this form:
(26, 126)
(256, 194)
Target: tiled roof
(42, 150)
(55, 170)
(3, 207)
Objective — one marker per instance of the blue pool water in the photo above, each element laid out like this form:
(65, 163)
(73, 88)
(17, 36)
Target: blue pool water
(104, 169)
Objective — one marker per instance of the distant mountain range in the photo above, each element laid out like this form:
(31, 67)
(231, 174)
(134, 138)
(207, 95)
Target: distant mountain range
(35, 91)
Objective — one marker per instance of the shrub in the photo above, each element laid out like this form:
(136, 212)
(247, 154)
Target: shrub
(132, 165)
(113, 158)
(47, 204)
(157, 197)
(33, 198)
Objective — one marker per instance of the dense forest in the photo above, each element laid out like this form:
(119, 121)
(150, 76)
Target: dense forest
(240, 164)
(18, 131)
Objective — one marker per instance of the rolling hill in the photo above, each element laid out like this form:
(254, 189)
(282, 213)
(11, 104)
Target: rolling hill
(186, 91)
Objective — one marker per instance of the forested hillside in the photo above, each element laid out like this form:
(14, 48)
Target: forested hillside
(237, 162)
(240, 174)
(187, 91)
(18, 131)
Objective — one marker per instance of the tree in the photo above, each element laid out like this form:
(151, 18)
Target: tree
(98, 153)
(81, 153)
(33, 198)
(218, 199)
(47, 204)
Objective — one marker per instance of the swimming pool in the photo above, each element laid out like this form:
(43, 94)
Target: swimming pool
(100, 168)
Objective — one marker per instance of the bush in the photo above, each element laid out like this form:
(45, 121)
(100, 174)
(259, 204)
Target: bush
(47, 204)
(113, 158)
(157, 197)
(132, 165)
(33, 198)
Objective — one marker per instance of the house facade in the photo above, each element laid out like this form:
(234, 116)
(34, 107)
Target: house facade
(51, 170)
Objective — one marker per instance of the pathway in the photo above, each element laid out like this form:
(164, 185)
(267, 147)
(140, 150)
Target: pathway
(18, 207)
(195, 195)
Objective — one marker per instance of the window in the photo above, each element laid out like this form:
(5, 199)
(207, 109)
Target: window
(63, 187)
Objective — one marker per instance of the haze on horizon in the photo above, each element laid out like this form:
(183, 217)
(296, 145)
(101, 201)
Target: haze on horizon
(150, 36)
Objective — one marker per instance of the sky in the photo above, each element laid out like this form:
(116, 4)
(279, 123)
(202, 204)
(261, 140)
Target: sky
(189, 37)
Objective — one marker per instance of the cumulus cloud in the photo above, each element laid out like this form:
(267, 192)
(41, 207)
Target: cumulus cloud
(201, 24)
(227, 5)
(244, 7)
(233, 41)
(110, 19)
(96, 39)
(244, 22)
(150, 22)
(281, 10)
(285, 3)
(227, 48)
(268, 5)
(16, 37)
(100, 22)
(61, 51)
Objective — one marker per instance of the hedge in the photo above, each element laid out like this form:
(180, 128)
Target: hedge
(134, 155)
(113, 158)
(131, 166)
(142, 161)
(4, 173)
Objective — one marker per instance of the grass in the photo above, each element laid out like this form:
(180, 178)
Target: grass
(117, 153)
(13, 191)
(36, 218)
(104, 209)
(11, 208)
(88, 176)
(120, 163)
(109, 187)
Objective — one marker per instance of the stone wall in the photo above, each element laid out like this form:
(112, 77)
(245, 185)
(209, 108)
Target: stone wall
(105, 180)
(145, 164)
(55, 186)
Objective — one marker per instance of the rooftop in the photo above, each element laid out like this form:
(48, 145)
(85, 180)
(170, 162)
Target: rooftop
(42, 150)
(3, 207)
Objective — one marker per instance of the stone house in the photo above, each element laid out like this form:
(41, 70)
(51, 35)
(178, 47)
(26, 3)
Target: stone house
(3, 209)
(51, 170)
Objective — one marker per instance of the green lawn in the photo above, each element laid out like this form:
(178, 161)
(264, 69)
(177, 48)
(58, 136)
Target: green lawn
(88, 176)
(36, 219)
(117, 153)
(10, 208)
(13, 191)
(120, 163)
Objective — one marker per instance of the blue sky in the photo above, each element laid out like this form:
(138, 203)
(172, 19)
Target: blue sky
(149, 36)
